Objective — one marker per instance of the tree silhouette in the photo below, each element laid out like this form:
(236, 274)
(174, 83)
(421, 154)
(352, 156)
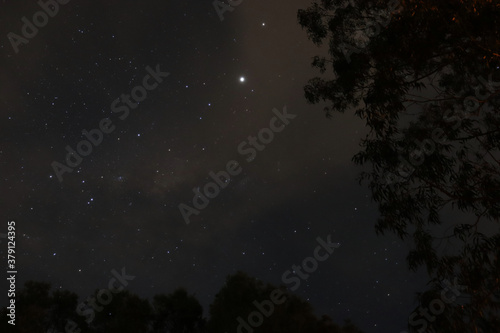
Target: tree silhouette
(35, 299)
(39, 311)
(62, 310)
(126, 313)
(423, 75)
(243, 295)
(177, 313)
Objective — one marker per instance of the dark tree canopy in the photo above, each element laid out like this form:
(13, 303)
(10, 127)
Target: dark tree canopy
(177, 313)
(237, 299)
(39, 310)
(425, 78)
(127, 313)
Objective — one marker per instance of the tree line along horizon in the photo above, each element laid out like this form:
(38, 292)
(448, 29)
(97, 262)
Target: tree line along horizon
(40, 310)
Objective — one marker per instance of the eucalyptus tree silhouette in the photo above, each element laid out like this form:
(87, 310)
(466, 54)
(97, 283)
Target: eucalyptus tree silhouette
(424, 76)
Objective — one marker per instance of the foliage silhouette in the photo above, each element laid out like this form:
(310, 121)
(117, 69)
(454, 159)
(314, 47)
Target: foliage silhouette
(237, 297)
(38, 310)
(424, 76)
(177, 312)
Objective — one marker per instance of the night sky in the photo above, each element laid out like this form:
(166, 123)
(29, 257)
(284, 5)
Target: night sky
(120, 206)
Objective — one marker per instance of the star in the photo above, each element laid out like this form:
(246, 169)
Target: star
(242, 79)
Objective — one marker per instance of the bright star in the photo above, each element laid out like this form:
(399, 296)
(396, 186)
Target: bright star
(242, 79)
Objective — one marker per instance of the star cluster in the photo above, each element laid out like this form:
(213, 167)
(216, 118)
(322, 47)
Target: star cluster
(119, 206)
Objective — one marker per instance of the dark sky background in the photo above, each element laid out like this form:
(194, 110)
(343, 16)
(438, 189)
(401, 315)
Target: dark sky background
(119, 208)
